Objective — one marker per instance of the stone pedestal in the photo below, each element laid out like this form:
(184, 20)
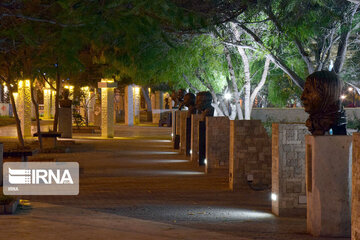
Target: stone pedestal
(183, 116)
(195, 119)
(288, 169)
(355, 202)
(24, 107)
(129, 106)
(249, 155)
(217, 143)
(65, 122)
(177, 130)
(47, 102)
(107, 108)
(157, 106)
(173, 125)
(136, 94)
(327, 185)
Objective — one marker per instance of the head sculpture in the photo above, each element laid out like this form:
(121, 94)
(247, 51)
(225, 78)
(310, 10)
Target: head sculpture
(65, 102)
(321, 99)
(203, 104)
(181, 93)
(189, 102)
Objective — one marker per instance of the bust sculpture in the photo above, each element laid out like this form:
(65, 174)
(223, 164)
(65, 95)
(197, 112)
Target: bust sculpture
(321, 99)
(180, 97)
(203, 105)
(65, 102)
(189, 102)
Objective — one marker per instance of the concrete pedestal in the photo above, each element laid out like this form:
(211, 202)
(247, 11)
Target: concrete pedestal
(288, 169)
(47, 102)
(97, 113)
(107, 108)
(177, 130)
(129, 106)
(195, 119)
(65, 122)
(355, 202)
(157, 106)
(327, 185)
(249, 155)
(183, 116)
(217, 143)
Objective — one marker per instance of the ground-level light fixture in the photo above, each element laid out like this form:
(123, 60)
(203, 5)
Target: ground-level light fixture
(205, 161)
(342, 97)
(273, 196)
(190, 151)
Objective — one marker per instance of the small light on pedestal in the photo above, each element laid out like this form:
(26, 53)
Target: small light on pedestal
(205, 161)
(273, 197)
(342, 97)
(190, 151)
(350, 89)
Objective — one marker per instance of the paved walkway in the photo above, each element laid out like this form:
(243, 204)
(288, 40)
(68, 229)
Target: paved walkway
(136, 186)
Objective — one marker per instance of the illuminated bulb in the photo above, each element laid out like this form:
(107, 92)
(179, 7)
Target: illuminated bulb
(227, 96)
(273, 196)
(190, 151)
(343, 97)
(205, 161)
(172, 135)
(350, 89)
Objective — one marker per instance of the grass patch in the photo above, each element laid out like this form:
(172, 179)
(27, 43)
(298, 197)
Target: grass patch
(5, 120)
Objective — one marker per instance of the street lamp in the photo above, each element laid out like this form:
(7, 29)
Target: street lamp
(350, 89)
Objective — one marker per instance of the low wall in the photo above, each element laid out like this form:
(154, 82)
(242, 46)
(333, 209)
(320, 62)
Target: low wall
(297, 115)
(217, 143)
(288, 169)
(195, 119)
(249, 155)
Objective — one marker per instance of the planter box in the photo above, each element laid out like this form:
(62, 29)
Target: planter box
(9, 208)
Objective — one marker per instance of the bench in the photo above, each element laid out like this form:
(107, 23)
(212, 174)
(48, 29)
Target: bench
(15, 155)
(49, 139)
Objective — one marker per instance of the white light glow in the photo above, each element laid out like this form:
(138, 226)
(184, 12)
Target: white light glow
(350, 89)
(273, 196)
(172, 135)
(205, 161)
(190, 151)
(343, 97)
(227, 96)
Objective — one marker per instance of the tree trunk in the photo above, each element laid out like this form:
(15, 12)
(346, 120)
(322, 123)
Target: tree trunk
(261, 83)
(247, 84)
(56, 117)
(17, 120)
(235, 86)
(36, 114)
(344, 39)
(145, 92)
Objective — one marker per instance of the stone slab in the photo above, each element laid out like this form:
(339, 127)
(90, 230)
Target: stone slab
(65, 122)
(355, 202)
(249, 155)
(195, 119)
(217, 143)
(327, 185)
(288, 169)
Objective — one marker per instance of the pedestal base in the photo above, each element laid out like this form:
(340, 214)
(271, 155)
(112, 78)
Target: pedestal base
(65, 122)
(327, 185)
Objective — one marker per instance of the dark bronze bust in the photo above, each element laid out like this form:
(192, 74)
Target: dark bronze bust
(321, 99)
(65, 102)
(203, 105)
(189, 102)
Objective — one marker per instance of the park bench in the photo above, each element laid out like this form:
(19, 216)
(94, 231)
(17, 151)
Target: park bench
(49, 139)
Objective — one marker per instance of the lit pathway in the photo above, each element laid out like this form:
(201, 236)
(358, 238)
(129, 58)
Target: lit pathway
(136, 187)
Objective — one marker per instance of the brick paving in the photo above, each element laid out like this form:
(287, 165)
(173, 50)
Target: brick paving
(136, 186)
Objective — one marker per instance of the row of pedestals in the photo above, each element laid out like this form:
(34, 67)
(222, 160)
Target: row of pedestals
(313, 176)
